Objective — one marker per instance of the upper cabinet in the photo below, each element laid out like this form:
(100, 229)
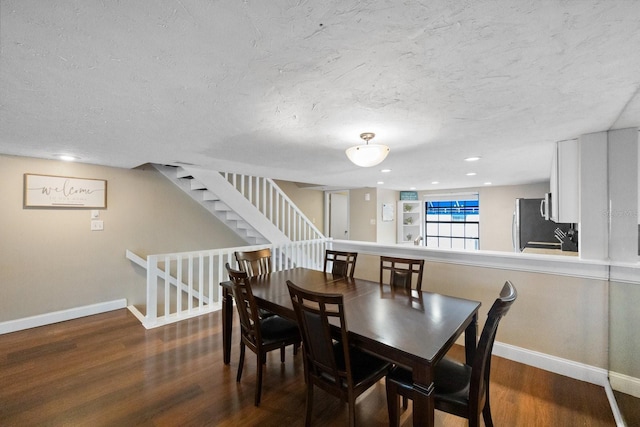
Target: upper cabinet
(564, 182)
(410, 220)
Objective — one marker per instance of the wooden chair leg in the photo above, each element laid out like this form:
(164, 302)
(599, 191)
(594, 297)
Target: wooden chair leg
(352, 411)
(240, 362)
(405, 402)
(282, 354)
(309, 404)
(486, 414)
(393, 404)
(259, 367)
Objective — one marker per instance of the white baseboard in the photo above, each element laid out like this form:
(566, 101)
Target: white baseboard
(60, 316)
(625, 384)
(558, 365)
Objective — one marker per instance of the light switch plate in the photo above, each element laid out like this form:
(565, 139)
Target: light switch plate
(95, 214)
(97, 225)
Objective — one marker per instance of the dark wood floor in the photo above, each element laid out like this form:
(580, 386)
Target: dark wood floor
(107, 370)
(629, 408)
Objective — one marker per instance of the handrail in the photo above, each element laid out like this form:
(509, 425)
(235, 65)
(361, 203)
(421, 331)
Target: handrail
(266, 196)
(183, 285)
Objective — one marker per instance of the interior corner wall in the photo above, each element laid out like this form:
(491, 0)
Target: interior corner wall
(50, 260)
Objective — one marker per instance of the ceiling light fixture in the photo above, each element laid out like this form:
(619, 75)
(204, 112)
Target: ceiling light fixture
(367, 155)
(67, 157)
(472, 159)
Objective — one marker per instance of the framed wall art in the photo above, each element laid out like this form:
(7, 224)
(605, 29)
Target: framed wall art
(47, 191)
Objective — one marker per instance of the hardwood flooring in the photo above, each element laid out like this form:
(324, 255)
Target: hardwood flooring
(107, 370)
(629, 408)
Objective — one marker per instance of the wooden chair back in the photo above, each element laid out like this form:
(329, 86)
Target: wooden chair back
(401, 272)
(454, 379)
(329, 361)
(254, 263)
(342, 263)
(481, 366)
(247, 307)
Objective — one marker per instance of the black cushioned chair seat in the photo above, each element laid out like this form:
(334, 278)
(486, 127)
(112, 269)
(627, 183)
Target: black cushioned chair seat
(452, 380)
(275, 328)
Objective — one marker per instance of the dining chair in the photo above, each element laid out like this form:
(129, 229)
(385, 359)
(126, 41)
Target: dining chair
(261, 335)
(401, 272)
(254, 262)
(330, 363)
(342, 263)
(459, 389)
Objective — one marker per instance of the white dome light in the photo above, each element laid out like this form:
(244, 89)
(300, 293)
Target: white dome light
(367, 155)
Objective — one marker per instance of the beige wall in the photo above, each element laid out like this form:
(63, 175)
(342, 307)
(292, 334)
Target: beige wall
(624, 333)
(386, 232)
(497, 205)
(361, 213)
(49, 258)
(556, 315)
(310, 202)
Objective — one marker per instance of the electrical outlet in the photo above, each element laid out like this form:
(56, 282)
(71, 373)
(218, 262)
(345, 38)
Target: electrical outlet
(97, 225)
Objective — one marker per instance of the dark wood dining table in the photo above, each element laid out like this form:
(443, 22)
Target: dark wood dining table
(409, 328)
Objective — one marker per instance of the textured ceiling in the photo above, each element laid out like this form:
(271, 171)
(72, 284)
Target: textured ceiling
(281, 88)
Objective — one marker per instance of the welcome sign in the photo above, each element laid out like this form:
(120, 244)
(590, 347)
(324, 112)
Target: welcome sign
(64, 192)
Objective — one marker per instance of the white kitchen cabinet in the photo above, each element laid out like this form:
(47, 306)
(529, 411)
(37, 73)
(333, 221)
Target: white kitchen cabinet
(410, 220)
(564, 182)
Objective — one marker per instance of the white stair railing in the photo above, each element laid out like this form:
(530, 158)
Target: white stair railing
(274, 204)
(186, 284)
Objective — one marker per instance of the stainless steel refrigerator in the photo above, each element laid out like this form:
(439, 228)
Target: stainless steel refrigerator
(531, 230)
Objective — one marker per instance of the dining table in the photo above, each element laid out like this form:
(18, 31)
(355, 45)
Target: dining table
(410, 328)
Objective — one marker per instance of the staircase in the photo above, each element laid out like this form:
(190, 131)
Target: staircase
(184, 285)
(255, 208)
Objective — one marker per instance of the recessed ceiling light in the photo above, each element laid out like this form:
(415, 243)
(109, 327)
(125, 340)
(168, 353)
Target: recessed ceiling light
(435, 182)
(67, 157)
(487, 183)
(412, 188)
(471, 174)
(380, 182)
(385, 170)
(472, 159)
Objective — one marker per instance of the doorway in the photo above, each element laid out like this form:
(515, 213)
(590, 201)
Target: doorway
(337, 214)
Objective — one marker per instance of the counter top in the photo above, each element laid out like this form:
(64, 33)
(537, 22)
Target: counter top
(548, 252)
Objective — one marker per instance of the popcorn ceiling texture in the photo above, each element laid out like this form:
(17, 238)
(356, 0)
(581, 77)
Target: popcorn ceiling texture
(282, 88)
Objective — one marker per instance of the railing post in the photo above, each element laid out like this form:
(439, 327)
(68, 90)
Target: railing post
(178, 282)
(167, 285)
(151, 316)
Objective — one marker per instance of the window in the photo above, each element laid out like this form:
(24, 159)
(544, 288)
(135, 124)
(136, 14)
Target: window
(453, 222)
